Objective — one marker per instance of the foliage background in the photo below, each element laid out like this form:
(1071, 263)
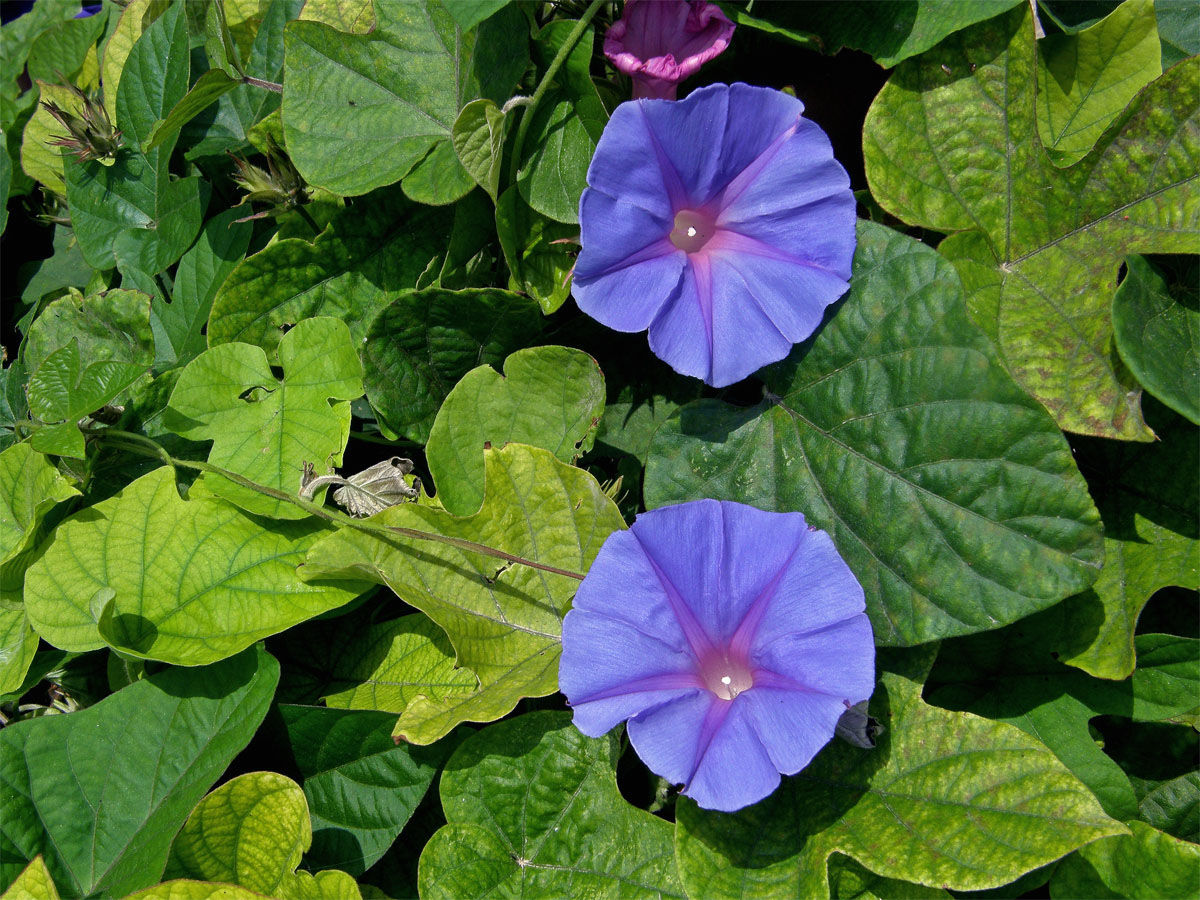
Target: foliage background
(201, 677)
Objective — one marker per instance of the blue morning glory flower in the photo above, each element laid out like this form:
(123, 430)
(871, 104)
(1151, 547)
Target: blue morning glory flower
(731, 639)
(721, 223)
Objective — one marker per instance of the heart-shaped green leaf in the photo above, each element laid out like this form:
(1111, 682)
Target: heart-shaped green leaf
(187, 582)
(955, 499)
(264, 428)
(534, 810)
(549, 397)
(252, 831)
(29, 487)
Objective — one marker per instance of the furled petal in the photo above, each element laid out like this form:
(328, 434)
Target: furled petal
(838, 660)
(791, 725)
(708, 745)
(611, 671)
(661, 42)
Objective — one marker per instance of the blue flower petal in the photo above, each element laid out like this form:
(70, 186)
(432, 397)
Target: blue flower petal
(838, 660)
(745, 334)
(612, 671)
(817, 590)
(710, 747)
(793, 296)
(640, 179)
(681, 333)
(685, 140)
(792, 726)
(819, 235)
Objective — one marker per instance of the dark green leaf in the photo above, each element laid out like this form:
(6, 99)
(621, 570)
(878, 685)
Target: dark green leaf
(1144, 865)
(1158, 334)
(423, 342)
(372, 250)
(102, 805)
(953, 497)
(361, 787)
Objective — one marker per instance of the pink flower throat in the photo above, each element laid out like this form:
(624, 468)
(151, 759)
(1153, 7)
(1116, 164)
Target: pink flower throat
(725, 674)
(693, 229)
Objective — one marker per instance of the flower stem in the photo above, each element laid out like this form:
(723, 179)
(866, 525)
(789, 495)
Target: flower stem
(544, 85)
(136, 443)
(265, 85)
(312, 223)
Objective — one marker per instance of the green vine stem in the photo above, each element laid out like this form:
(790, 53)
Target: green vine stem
(544, 85)
(144, 446)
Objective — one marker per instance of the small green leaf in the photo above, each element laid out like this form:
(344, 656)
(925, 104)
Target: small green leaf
(385, 667)
(29, 488)
(203, 269)
(208, 87)
(565, 128)
(18, 642)
(364, 111)
(1145, 495)
(423, 342)
(478, 138)
(533, 810)
(218, 42)
(549, 397)
(504, 620)
(944, 152)
(251, 831)
(373, 249)
(946, 799)
(102, 808)
(1158, 335)
(63, 391)
(1142, 865)
(264, 428)
(361, 788)
(864, 432)
(1085, 79)
(187, 582)
(1174, 807)
(112, 325)
(34, 883)
(537, 249)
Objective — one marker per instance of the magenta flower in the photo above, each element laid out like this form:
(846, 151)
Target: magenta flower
(721, 224)
(731, 639)
(659, 43)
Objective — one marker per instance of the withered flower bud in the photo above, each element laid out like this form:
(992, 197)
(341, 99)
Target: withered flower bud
(90, 134)
(281, 187)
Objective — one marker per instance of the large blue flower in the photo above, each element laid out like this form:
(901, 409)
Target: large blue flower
(721, 223)
(731, 639)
